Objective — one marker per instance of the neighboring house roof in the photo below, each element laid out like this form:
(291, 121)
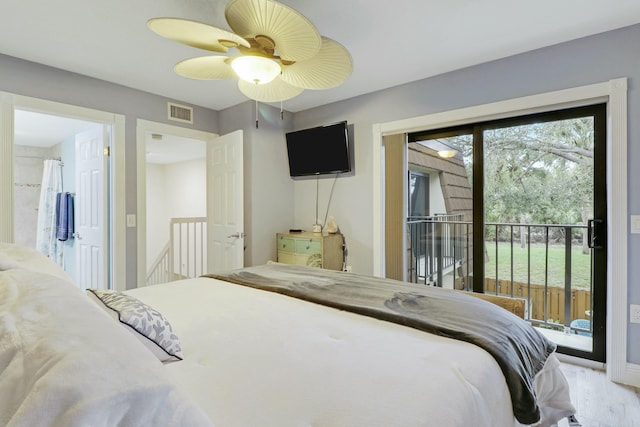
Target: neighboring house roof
(454, 181)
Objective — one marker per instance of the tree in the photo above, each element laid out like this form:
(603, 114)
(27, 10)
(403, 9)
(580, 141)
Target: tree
(542, 171)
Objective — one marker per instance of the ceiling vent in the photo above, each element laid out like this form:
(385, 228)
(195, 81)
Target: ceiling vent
(180, 113)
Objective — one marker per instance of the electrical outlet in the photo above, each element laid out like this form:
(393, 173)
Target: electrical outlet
(634, 313)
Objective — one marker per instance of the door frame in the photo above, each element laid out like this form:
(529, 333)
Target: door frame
(142, 127)
(115, 273)
(614, 93)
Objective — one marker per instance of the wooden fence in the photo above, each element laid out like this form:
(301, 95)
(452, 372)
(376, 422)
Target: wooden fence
(580, 300)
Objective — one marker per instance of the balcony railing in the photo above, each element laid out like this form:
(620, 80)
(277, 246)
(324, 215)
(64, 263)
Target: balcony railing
(440, 251)
(436, 246)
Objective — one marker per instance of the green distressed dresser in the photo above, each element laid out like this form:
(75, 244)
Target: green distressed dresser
(311, 249)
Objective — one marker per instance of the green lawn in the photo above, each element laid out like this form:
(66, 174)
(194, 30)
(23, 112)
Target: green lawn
(580, 264)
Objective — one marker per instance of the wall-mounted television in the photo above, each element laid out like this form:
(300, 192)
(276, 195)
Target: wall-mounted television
(319, 150)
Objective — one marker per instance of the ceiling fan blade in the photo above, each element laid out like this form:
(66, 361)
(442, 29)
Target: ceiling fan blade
(274, 91)
(294, 36)
(205, 68)
(329, 68)
(196, 34)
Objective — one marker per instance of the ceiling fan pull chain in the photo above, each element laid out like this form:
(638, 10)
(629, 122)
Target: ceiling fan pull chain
(256, 114)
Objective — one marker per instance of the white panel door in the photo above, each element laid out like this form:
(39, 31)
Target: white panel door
(225, 202)
(91, 203)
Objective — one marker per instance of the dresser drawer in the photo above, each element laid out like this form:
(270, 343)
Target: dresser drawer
(286, 244)
(286, 257)
(308, 246)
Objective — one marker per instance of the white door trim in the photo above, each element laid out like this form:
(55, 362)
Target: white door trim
(614, 92)
(8, 103)
(142, 127)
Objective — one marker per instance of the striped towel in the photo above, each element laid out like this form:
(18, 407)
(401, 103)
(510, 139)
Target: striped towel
(64, 216)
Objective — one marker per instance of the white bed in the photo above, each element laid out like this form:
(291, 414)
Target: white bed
(255, 358)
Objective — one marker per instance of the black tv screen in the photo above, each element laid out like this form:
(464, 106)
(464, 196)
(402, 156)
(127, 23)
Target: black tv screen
(319, 150)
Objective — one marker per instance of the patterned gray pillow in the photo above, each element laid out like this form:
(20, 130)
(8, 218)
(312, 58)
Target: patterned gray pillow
(147, 324)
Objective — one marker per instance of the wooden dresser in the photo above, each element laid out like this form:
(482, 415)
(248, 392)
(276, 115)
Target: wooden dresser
(311, 249)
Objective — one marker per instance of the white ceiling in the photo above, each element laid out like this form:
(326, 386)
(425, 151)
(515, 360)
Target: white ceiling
(44, 130)
(391, 42)
(165, 149)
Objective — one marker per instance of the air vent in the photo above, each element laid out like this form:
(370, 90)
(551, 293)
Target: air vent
(180, 113)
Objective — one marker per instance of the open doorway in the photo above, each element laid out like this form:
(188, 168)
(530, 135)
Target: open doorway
(176, 198)
(45, 166)
(171, 187)
(113, 273)
(222, 248)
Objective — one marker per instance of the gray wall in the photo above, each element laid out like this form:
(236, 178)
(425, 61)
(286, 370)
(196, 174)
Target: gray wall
(585, 61)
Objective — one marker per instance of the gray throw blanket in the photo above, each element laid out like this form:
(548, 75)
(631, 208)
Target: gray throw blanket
(518, 348)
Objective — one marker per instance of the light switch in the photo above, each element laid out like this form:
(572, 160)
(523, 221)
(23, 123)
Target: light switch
(634, 313)
(635, 224)
(131, 220)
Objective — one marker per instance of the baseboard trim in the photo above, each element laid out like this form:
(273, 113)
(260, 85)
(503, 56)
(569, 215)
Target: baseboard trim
(632, 375)
(586, 363)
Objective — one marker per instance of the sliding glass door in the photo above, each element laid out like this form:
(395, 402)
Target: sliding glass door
(534, 227)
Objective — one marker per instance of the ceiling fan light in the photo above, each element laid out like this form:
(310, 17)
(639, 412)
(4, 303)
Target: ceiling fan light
(255, 69)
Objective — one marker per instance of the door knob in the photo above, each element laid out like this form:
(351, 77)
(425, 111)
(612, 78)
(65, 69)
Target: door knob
(237, 235)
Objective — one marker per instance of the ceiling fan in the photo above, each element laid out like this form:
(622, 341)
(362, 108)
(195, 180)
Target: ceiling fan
(277, 52)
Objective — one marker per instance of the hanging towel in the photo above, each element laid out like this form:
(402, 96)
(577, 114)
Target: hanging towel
(64, 216)
(70, 215)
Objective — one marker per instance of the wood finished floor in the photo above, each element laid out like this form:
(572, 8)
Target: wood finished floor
(599, 402)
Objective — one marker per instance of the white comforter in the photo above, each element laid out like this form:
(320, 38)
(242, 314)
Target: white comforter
(254, 358)
(64, 362)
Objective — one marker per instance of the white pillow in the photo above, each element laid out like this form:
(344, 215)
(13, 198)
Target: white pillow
(65, 362)
(145, 323)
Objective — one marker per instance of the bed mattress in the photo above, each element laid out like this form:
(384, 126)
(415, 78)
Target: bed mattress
(257, 358)
(250, 357)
